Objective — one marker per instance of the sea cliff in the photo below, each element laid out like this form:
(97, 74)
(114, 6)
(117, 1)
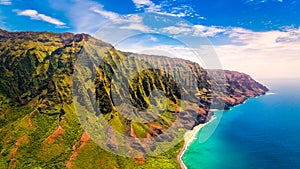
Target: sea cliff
(39, 126)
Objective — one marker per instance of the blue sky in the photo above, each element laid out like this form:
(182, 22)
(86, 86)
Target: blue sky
(256, 15)
(253, 36)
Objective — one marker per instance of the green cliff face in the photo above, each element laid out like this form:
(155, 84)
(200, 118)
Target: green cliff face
(39, 127)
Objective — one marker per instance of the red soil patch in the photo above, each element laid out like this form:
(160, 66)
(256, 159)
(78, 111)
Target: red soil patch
(57, 132)
(148, 135)
(132, 133)
(201, 111)
(191, 108)
(29, 123)
(102, 162)
(82, 142)
(178, 109)
(156, 126)
(14, 153)
(13, 161)
(230, 100)
(140, 159)
(20, 140)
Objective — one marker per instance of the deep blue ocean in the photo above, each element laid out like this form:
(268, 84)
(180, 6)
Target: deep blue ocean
(263, 133)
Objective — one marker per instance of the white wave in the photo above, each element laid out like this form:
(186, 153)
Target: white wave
(270, 93)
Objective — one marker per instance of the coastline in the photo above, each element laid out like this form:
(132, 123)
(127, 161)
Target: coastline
(189, 137)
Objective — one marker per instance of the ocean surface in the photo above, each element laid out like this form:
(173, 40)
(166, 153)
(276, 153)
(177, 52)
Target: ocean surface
(263, 133)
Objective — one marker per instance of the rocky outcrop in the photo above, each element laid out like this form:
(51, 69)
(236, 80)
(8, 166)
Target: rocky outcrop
(239, 86)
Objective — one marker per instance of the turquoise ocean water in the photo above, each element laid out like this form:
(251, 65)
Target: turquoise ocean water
(263, 133)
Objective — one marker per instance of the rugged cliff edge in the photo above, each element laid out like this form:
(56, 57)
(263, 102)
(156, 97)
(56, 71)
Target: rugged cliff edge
(239, 87)
(38, 124)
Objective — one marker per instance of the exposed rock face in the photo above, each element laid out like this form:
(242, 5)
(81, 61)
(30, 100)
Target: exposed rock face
(240, 87)
(36, 71)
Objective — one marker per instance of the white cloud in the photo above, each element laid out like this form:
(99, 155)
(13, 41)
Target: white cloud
(153, 39)
(106, 14)
(164, 50)
(271, 54)
(181, 14)
(166, 8)
(2, 22)
(254, 2)
(85, 16)
(208, 31)
(34, 15)
(128, 22)
(134, 18)
(136, 26)
(142, 3)
(261, 54)
(176, 30)
(195, 30)
(148, 5)
(5, 2)
(90, 17)
(182, 11)
(292, 35)
(130, 18)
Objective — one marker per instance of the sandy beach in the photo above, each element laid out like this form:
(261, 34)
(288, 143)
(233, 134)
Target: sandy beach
(188, 139)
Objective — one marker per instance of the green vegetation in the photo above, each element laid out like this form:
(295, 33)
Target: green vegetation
(39, 127)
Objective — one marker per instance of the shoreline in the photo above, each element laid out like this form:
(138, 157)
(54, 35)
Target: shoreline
(189, 137)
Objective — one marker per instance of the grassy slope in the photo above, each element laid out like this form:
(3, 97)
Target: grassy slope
(38, 125)
(40, 128)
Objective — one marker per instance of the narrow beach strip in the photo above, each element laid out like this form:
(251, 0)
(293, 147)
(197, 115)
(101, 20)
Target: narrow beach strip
(189, 137)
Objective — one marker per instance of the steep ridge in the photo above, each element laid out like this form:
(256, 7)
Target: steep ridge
(239, 86)
(36, 74)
